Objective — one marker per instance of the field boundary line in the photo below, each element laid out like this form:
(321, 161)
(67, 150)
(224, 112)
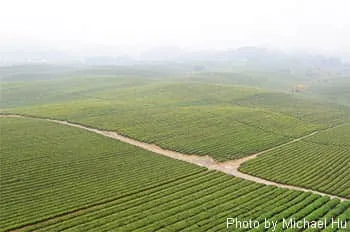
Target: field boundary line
(97, 204)
(230, 167)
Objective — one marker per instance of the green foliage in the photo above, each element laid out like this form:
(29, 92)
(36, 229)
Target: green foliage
(320, 162)
(338, 136)
(56, 178)
(335, 90)
(48, 169)
(83, 181)
(299, 107)
(196, 118)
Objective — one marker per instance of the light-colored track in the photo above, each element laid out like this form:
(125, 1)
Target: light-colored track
(229, 167)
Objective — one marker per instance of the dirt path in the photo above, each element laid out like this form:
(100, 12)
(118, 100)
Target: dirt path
(229, 167)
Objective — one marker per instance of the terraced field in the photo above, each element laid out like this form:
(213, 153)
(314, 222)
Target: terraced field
(320, 162)
(48, 169)
(223, 121)
(56, 178)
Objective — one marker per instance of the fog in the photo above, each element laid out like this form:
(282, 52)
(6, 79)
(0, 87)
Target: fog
(135, 25)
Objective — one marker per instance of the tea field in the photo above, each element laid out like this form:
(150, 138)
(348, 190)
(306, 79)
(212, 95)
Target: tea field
(58, 178)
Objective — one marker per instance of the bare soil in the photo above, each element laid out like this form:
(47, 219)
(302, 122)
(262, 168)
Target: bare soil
(230, 167)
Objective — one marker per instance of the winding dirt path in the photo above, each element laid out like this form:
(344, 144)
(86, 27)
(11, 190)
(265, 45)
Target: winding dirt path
(229, 167)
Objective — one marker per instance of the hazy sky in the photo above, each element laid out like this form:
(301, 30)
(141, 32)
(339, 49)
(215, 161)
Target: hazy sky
(314, 24)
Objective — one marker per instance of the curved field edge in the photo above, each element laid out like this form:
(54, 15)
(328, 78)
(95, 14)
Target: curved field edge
(223, 132)
(49, 169)
(200, 201)
(194, 205)
(320, 162)
(223, 121)
(230, 167)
